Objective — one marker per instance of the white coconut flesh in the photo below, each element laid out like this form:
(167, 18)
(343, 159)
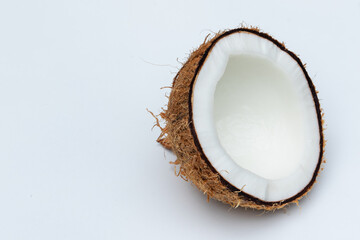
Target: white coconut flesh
(255, 117)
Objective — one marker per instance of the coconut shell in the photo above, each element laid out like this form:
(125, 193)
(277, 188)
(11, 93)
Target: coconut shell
(179, 133)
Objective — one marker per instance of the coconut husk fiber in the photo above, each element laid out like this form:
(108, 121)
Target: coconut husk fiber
(179, 133)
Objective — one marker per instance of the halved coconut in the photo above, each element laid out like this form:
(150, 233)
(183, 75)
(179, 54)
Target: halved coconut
(245, 122)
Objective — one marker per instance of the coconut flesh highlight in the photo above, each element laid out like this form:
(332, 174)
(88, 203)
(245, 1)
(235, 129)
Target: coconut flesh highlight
(255, 117)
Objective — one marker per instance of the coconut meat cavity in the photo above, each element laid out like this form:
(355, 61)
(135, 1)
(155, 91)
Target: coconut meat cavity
(255, 117)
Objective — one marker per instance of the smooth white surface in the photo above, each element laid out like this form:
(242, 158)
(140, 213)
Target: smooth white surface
(77, 157)
(258, 117)
(252, 107)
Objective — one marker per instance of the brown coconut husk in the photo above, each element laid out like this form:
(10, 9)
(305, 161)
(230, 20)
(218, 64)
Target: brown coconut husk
(179, 134)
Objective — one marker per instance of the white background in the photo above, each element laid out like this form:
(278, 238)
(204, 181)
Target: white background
(78, 159)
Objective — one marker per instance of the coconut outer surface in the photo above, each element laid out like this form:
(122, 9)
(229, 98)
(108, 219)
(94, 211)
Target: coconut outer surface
(179, 134)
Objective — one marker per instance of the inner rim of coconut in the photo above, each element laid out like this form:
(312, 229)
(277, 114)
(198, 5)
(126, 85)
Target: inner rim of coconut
(255, 117)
